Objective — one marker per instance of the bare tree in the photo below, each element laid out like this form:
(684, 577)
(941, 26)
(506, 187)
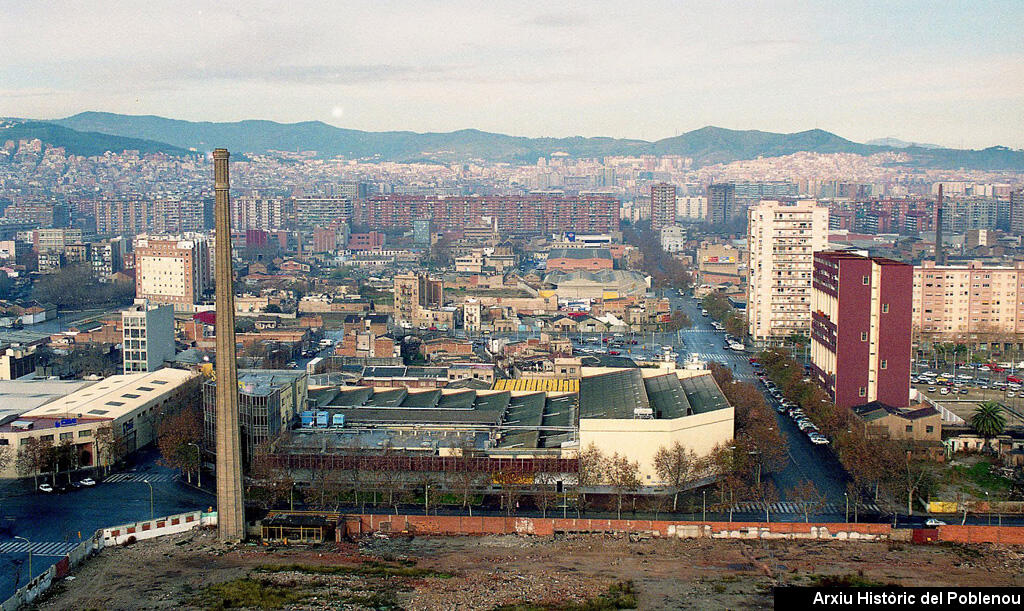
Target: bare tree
(657, 503)
(808, 497)
(268, 483)
(109, 448)
(7, 456)
(676, 466)
(545, 496)
(592, 466)
(32, 458)
(624, 478)
(511, 484)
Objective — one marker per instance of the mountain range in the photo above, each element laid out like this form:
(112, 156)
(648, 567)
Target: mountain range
(91, 133)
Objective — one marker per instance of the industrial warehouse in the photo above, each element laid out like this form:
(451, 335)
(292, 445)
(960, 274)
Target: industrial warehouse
(630, 412)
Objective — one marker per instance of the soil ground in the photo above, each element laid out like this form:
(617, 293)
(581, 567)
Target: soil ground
(194, 571)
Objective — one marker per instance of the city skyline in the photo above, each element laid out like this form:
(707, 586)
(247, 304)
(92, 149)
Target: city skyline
(945, 75)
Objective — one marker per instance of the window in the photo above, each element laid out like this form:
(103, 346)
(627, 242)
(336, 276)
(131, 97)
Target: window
(863, 336)
(862, 392)
(64, 436)
(929, 429)
(865, 279)
(885, 308)
(85, 433)
(910, 428)
(46, 438)
(884, 364)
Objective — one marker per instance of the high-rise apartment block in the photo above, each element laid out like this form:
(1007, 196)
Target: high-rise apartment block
(971, 303)
(107, 257)
(782, 239)
(172, 269)
(313, 212)
(514, 215)
(126, 217)
(175, 215)
(148, 331)
(860, 328)
(55, 240)
(1017, 211)
(721, 203)
(663, 205)
(258, 213)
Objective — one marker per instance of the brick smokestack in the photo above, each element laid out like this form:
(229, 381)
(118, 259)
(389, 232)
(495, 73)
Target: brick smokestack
(230, 506)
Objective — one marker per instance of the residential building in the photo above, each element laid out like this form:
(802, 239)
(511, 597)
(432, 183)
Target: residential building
(721, 203)
(663, 205)
(919, 423)
(313, 212)
(125, 217)
(55, 240)
(673, 238)
(372, 240)
(782, 239)
(1017, 212)
(691, 208)
(107, 257)
(860, 328)
(254, 212)
(172, 269)
(414, 292)
(719, 264)
(971, 303)
(148, 336)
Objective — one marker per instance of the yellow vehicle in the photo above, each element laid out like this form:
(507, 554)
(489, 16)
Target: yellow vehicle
(941, 380)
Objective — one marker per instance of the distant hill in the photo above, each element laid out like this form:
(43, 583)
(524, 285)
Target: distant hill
(706, 145)
(86, 143)
(900, 144)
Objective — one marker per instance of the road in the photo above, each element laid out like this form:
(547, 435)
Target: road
(806, 460)
(53, 523)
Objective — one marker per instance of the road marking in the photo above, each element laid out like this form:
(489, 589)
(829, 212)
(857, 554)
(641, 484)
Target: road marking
(39, 548)
(153, 478)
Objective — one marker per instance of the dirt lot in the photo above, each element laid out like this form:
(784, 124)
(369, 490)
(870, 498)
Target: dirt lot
(193, 571)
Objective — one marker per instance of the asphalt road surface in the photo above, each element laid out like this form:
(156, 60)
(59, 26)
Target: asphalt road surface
(54, 522)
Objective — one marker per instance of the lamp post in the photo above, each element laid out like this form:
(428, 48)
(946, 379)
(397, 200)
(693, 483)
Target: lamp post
(847, 497)
(29, 555)
(704, 506)
(199, 465)
(146, 481)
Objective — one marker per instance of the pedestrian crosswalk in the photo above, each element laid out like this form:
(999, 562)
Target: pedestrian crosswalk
(721, 357)
(797, 508)
(38, 548)
(153, 478)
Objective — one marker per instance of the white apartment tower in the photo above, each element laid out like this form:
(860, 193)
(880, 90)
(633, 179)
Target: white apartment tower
(172, 269)
(782, 237)
(148, 334)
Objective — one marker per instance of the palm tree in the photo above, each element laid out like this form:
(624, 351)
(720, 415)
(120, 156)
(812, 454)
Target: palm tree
(988, 420)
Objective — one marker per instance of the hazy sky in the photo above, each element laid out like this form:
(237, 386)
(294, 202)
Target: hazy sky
(945, 72)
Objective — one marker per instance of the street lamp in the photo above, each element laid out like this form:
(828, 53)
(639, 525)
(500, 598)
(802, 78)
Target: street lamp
(199, 466)
(704, 509)
(29, 555)
(146, 481)
(847, 497)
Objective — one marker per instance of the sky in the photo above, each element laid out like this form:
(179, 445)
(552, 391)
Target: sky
(950, 73)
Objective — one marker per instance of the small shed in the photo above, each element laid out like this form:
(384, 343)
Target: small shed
(297, 528)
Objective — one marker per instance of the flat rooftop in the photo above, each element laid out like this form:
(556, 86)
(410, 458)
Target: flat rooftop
(619, 394)
(20, 396)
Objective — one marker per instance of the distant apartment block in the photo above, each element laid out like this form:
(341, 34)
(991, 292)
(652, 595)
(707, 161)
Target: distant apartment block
(258, 213)
(313, 212)
(970, 303)
(860, 328)
(126, 217)
(148, 336)
(721, 203)
(55, 240)
(782, 239)
(523, 215)
(663, 205)
(414, 292)
(172, 270)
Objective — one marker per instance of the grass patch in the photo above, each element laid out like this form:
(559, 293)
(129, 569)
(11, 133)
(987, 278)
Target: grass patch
(367, 569)
(620, 595)
(982, 475)
(247, 593)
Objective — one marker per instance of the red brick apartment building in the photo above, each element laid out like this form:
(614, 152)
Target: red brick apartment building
(529, 214)
(860, 328)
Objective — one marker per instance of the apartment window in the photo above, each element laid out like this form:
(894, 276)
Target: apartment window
(884, 364)
(865, 279)
(910, 428)
(862, 392)
(885, 308)
(929, 429)
(863, 336)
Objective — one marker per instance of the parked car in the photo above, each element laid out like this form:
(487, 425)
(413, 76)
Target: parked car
(88, 482)
(944, 391)
(934, 522)
(45, 488)
(932, 389)
(703, 312)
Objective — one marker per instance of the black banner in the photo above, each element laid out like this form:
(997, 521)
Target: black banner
(898, 598)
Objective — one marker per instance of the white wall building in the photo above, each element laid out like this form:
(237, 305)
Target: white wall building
(148, 333)
(782, 237)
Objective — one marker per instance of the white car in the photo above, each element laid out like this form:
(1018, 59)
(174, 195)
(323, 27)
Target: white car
(944, 391)
(45, 488)
(934, 522)
(88, 482)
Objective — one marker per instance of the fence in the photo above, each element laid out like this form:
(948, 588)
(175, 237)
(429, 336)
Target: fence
(115, 535)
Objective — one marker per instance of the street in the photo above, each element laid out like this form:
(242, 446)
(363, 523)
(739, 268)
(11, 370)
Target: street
(54, 523)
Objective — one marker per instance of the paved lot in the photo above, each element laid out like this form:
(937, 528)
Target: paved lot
(963, 405)
(54, 522)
